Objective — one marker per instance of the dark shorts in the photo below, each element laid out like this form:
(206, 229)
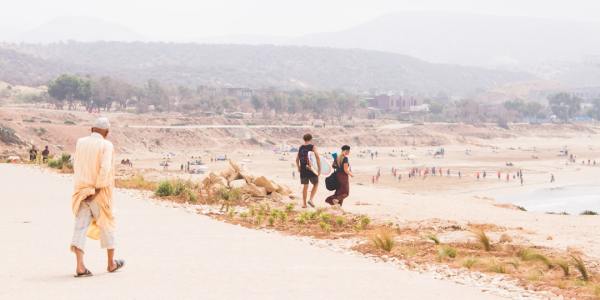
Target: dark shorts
(307, 176)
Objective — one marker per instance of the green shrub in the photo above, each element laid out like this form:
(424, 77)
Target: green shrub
(434, 239)
(69, 122)
(165, 188)
(446, 251)
(589, 213)
(55, 163)
(271, 220)
(289, 208)
(231, 213)
(283, 216)
(65, 157)
(326, 218)
(40, 131)
(301, 220)
(325, 227)
(229, 197)
(363, 222)
(190, 196)
(339, 221)
(469, 262)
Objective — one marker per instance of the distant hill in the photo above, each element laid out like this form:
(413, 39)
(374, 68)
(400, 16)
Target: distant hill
(468, 39)
(82, 29)
(19, 68)
(251, 66)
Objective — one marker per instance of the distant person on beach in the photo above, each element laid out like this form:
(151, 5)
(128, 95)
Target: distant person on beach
(552, 179)
(92, 197)
(307, 175)
(343, 172)
(45, 154)
(33, 153)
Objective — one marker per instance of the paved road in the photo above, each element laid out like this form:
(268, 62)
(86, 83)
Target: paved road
(173, 254)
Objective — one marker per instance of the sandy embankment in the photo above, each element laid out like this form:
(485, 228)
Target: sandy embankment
(178, 255)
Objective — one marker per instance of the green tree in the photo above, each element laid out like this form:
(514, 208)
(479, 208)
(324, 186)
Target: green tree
(594, 112)
(564, 106)
(436, 108)
(69, 88)
(156, 95)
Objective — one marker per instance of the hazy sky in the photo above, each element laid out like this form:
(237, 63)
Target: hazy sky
(175, 19)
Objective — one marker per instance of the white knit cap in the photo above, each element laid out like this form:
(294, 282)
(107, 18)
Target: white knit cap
(102, 123)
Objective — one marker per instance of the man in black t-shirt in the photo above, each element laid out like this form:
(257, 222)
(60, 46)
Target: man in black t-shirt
(307, 174)
(45, 154)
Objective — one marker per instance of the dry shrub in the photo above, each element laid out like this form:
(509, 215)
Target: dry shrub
(531, 255)
(384, 240)
(580, 266)
(483, 239)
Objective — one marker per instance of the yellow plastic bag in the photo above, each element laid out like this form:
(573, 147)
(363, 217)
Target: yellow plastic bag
(93, 231)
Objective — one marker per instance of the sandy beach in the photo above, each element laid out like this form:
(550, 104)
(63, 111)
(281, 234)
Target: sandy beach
(175, 254)
(448, 205)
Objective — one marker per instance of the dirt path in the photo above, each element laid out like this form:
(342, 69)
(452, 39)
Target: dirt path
(173, 254)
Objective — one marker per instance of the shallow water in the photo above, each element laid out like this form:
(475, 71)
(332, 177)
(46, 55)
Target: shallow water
(572, 199)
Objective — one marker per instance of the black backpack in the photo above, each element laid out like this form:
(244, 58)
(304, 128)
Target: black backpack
(331, 182)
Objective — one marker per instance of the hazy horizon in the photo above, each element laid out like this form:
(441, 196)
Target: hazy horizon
(177, 20)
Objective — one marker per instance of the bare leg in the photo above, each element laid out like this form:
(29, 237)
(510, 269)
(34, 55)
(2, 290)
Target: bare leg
(313, 192)
(79, 256)
(110, 254)
(304, 195)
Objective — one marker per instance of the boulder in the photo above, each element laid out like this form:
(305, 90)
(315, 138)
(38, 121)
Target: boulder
(214, 179)
(265, 183)
(254, 191)
(237, 184)
(276, 196)
(284, 190)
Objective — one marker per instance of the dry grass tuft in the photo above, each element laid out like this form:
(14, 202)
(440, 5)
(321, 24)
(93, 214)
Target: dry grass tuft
(580, 266)
(483, 240)
(384, 240)
(432, 237)
(564, 266)
(530, 255)
(469, 262)
(136, 182)
(496, 267)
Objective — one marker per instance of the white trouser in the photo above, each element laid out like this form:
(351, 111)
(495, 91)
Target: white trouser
(88, 211)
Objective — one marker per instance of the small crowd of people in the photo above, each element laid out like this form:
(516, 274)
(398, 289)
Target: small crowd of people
(127, 162)
(424, 172)
(34, 155)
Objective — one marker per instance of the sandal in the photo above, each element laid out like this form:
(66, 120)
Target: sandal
(120, 263)
(311, 204)
(85, 273)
